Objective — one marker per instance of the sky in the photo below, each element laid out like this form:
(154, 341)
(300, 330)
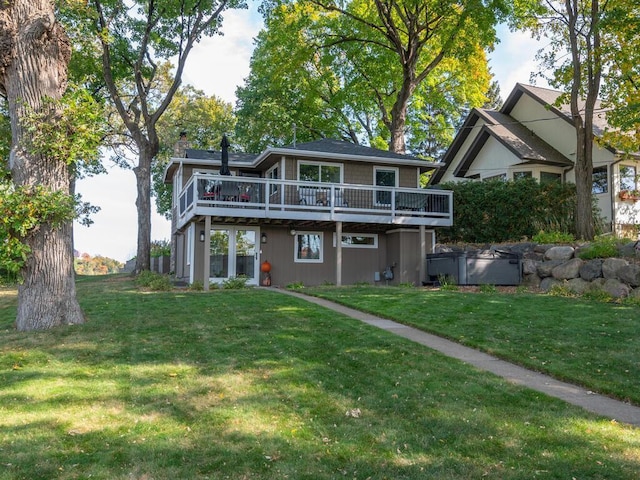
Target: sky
(218, 65)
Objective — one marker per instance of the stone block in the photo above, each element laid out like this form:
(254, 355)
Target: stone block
(529, 266)
(591, 269)
(616, 288)
(531, 280)
(630, 275)
(547, 283)
(545, 268)
(563, 252)
(578, 285)
(610, 267)
(567, 270)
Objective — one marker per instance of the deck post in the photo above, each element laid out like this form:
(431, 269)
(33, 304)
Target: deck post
(338, 254)
(423, 255)
(207, 252)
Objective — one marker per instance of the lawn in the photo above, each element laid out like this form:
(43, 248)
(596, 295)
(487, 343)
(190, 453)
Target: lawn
(257, 385)
(590, 343)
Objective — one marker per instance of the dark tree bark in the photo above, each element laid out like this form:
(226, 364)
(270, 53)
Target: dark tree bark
(34, 55)
(587, 72)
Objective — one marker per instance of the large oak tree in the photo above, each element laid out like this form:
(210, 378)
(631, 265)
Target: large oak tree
(34, 55)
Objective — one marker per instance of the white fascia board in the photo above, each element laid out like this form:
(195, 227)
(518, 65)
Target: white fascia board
(341, 156)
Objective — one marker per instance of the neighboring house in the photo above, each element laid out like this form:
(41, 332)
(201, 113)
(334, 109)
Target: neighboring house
(321, 212)
(531, 137)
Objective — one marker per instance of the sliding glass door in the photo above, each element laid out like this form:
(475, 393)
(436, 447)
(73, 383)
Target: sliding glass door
(234, 252)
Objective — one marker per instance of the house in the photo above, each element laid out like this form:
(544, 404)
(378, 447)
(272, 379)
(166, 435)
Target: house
(530, 136)
(320, 212)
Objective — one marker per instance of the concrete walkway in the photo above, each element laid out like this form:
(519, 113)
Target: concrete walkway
(593, 402)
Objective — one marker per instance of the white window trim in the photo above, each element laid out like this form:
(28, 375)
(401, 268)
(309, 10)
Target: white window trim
(326, 164)
(349, 245)
(308, 260)
(377, 169)
(274, 186)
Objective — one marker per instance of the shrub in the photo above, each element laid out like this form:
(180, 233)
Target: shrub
(553, 237)
(295, 286)
(196, 286)
(501, 211)
(160, 248)
(235, 283)
(601, 247)
(488, 288)
(154, 281)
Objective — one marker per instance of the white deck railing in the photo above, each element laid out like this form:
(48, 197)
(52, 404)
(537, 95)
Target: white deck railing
(217, 195)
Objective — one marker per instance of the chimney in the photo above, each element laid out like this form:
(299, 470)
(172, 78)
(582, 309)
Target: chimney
(179, 150)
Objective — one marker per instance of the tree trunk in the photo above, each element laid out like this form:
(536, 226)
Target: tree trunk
(584, 183)
(399, 113)
(33, 65)
(143, 206)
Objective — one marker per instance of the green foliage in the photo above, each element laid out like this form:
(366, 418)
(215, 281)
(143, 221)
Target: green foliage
(295, 286)
(5, 139)
(602, 247)
(23, 210)
(553, 237)
(621, 86)
(204, 119)
(561, 290)
(196, 286)
(235, 283)
(154, 281)
(98, 265)
(498, 211)
(488, 288)
(596, 294)
(69, 130)
(357, 70)
(160, 248)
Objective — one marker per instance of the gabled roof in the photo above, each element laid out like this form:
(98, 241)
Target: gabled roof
(521, 141)
(548, 97)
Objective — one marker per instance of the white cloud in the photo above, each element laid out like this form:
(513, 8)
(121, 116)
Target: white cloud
(513, 60)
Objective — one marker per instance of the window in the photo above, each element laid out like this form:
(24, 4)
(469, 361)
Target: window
(522, 175)
(273, 174)
(628, 177)
(548, 177)
(320, 172)
(502, 177)
(308, 247)
(600, 180)
(384, 177)
(359, 240)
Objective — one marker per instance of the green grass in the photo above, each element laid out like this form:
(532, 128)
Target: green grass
(590, 343)
(252, 384)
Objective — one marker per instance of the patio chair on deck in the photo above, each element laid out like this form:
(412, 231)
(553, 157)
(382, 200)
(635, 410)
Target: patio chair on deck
(229, 191)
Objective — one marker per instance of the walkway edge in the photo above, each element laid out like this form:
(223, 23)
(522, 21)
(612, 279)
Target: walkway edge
(575, 395)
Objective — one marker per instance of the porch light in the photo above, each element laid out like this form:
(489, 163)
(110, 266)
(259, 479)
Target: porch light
(292, 232)
(202, 235)
(263, 238)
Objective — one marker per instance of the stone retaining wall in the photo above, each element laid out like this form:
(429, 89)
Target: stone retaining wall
(544, 266)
